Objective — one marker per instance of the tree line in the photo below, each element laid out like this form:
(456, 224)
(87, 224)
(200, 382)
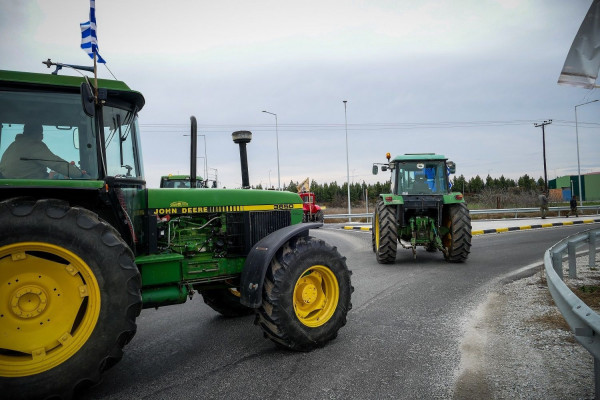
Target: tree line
(336, 194)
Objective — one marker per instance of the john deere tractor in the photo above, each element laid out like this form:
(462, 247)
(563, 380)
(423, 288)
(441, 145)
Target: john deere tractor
(85, 246)
(422, 210)
(180, 182)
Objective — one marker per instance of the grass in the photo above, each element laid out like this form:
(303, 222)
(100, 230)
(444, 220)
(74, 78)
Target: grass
(589, 294)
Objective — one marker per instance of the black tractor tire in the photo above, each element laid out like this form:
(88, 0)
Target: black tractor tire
(457, 241)
(384, 234)
(319, 216)
(70, 291)
(226, 302)
(306, 295)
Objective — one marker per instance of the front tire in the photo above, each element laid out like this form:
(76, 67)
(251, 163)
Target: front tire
(70, 296)
(458, 240)
(384, 234)
(320, 217)
(306, 295)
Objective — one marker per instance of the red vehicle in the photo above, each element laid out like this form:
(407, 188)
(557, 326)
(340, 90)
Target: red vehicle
(312, 212)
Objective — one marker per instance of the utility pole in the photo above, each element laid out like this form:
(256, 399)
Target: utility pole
(543, 124)
(347, 162)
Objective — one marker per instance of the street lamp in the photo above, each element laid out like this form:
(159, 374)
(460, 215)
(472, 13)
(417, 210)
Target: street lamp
(216, 177)
(277, 140)
(578, 165)
(347, 161)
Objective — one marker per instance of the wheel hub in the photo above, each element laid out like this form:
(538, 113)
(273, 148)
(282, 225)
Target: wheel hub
(308, 292)
(28, 301)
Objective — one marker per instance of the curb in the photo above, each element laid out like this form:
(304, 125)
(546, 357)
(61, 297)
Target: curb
(500, 230)
(359, 228)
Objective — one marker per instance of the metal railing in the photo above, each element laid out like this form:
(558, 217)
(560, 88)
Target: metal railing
(583, 321)
(511, 211)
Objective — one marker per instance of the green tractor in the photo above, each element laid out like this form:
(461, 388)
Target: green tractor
(421, 211)
(85, 245)
(181, 182)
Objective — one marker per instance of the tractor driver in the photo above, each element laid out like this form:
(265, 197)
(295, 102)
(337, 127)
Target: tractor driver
(28, 157)
(420, 185)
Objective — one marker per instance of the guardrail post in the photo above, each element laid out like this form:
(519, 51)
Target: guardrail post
(572, 249)
(592, 251)
(557, 264)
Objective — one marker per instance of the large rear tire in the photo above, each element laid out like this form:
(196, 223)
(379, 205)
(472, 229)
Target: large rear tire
(306, 295)
(458, 240)
(384, 233)
(226, 302)
(69, 299)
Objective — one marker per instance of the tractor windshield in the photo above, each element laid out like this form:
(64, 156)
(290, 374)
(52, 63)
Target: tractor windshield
(122, 143)
(46, 136)
(421, 177)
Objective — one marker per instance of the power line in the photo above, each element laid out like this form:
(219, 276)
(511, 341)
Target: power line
(290, 127)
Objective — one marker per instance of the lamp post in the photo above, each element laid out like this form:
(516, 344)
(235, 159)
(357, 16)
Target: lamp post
(578, 165)
(216, 177)
(347, 160)
(277, 141)
(205, 157)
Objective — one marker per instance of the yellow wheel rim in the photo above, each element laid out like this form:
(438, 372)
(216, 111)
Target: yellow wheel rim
(49, 306)
(316, 296)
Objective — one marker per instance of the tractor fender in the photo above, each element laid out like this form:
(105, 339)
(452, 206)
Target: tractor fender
(259, 258)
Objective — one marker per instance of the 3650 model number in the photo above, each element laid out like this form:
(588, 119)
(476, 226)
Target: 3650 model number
(283, 206)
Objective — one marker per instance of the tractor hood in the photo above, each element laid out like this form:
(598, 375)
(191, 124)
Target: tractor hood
(194, 201)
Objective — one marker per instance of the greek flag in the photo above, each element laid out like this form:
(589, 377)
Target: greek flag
(89, 40)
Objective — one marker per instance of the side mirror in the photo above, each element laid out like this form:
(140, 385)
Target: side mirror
(384, 168)
(87, 99)
(375, 170)
(451, 167)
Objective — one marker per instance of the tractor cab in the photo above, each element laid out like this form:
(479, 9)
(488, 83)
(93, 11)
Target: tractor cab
(57, 141)
(420, 177)
(182, 182)
(46, 134)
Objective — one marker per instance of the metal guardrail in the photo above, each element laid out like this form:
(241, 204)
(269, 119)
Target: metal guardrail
(583, 321)
(515, 211)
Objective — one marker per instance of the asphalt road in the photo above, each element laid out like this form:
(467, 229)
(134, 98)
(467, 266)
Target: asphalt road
(402, 339)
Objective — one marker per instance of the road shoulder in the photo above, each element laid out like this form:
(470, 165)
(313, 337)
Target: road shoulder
(515, 347)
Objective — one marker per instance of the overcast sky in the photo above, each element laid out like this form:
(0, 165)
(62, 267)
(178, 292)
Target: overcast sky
(467, 79)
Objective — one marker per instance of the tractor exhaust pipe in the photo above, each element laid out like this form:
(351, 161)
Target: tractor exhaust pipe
(241, 138)
(193, 151)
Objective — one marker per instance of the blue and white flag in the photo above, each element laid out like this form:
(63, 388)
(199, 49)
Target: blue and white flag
(89, 40)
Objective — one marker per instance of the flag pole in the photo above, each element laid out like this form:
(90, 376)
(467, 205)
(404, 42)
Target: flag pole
(96, 77)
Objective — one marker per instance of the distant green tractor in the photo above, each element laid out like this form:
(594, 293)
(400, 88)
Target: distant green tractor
(421, 211)
(182, 182)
